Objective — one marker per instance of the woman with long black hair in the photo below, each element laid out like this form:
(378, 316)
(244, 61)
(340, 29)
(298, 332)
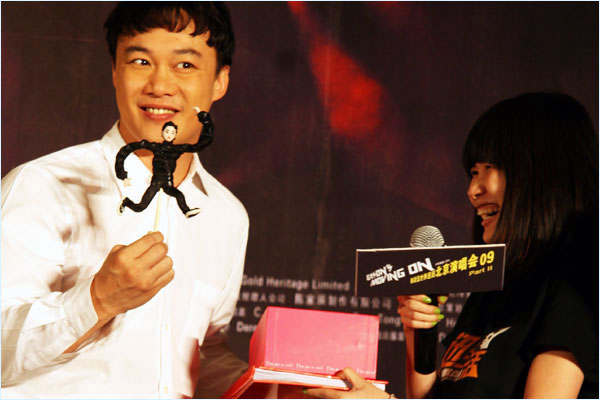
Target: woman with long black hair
(533, 167)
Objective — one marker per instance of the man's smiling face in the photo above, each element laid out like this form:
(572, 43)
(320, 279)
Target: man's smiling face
(160, 76)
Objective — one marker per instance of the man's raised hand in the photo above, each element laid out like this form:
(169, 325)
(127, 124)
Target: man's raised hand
(131, 275)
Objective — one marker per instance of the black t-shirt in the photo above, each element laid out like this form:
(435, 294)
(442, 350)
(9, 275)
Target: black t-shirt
(499, 333)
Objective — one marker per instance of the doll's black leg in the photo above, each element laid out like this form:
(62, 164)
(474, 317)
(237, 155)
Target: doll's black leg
(141, 206)
(172, 191)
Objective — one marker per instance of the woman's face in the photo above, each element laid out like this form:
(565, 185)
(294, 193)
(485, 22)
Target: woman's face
(486, 193)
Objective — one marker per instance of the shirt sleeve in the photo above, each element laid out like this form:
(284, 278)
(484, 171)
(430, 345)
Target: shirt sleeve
(568, 321)
(40, 317)
(219, 366)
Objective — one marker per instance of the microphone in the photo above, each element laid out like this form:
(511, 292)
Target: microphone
(427, 236)
(426, 339)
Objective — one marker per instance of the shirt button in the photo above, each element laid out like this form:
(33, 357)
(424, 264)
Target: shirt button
(166, 328)
(165, 389)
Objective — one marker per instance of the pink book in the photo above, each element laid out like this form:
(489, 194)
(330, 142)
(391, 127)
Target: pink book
(318, 342)
(271, 383)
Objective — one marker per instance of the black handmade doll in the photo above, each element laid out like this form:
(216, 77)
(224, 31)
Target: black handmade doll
(163, 164)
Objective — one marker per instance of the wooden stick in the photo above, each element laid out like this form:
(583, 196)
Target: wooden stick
(157, 216)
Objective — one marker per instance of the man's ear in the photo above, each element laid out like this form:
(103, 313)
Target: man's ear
(114, 73)
(221, 83)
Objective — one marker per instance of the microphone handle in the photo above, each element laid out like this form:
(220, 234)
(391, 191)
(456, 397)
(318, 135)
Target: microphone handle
(426, 346)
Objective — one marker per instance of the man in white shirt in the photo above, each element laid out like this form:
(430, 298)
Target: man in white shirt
(92, 304)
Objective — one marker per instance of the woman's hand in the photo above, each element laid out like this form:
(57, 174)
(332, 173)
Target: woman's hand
(361, 389)
(417, 312)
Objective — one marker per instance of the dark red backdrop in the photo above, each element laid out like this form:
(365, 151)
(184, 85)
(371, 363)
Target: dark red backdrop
(342, 128)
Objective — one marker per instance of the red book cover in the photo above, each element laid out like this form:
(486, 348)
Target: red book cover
(318, 342)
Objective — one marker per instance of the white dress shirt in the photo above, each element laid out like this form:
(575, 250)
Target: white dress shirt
(59, 222)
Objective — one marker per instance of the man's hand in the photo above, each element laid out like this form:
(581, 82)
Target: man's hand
(131, 275)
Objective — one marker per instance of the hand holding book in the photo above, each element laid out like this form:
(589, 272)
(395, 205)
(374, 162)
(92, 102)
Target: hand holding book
(361, 389)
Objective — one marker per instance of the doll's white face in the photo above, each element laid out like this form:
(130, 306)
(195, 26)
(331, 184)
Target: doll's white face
(169, 133)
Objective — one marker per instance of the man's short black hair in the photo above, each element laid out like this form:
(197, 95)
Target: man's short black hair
(131, 18)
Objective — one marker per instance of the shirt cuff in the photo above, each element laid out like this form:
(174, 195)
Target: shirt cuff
(79, 309)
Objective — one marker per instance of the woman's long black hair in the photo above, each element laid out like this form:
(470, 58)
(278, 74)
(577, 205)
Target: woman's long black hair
(547, 146)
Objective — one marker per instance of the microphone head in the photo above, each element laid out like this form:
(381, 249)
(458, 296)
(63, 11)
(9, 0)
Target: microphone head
(426, 236)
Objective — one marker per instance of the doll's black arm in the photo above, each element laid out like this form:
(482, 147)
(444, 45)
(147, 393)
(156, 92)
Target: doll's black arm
(206, 137)
(124, 152)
